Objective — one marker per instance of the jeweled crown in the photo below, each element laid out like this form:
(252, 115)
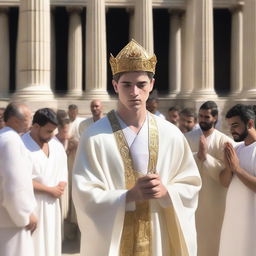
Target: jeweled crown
(133, 57)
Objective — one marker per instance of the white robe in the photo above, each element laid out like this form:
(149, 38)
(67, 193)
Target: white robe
(74, 128)
(48, 171)
(211, 202)
(17, 200)
(239, 225)
(85, 124)
(99, 191)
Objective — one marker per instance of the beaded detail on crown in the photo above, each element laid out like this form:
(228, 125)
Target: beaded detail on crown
(133, 57)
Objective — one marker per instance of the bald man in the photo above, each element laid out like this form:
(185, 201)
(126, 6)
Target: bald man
(17, 202)
(97, 113)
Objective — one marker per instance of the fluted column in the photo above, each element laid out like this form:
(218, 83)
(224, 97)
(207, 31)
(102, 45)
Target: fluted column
(188, 41)
(75, 52)
(144, 24)
(204, 60)
(96, 65)
(237, 50)
(249, 39)
(34, 49)
(4, 53)
(175, 53)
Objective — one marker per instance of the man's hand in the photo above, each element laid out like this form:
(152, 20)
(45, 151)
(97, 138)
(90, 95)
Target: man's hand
(232, 160)
(202, 148)
(57, 191)
(147, 187)
(32, 223)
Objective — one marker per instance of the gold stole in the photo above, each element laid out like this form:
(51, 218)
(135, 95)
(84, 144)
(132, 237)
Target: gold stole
(137, 233)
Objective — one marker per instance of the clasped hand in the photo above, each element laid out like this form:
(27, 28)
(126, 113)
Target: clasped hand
(147, 187)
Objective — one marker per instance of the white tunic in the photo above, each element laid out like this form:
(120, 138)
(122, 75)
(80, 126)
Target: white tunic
(48, 171)
(17, 200)
(239, 226)
(211, 202)
(99, 189)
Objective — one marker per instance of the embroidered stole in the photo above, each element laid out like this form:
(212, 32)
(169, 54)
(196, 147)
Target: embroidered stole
(137, 233)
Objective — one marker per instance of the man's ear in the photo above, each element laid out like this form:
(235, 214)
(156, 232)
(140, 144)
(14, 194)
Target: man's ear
(250, 124)
(114, 83)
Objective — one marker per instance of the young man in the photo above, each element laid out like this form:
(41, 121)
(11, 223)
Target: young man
(49, 180)
(135, 182)
(239, 227)
(17, 201)
(207, 144)
(97, 114)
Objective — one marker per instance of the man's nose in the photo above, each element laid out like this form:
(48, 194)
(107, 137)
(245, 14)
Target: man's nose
(134, 90)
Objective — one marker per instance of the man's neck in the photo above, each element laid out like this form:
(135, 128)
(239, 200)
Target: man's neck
(134, 120)
(96, 118)
(208, 132)
(250, 138)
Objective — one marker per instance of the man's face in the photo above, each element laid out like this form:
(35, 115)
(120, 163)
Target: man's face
(72, 113)
(173, 116)
(24, 124)
(133, 89)
(63, 132)
(186, 123)
(96, 108)
(206, 120)
(238, 129)
(46, 132)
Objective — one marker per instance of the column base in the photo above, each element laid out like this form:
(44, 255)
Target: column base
(251, 94)
(205, 94)
(96, 94)
(34, 92)
(74, 93)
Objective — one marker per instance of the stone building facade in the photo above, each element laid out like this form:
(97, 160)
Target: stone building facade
(55, 52)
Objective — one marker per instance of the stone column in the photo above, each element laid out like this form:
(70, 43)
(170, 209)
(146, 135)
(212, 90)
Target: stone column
(203, 59)
(75, 52)
(34, 50)
(4, 53)
(236, 50)
(175, 53)
(188, 41)
(144, 24)
(249, 49)
(96, 65)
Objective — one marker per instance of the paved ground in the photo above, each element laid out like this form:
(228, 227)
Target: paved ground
(71, 248)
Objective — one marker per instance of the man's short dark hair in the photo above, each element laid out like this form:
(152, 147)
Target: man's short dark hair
(245, 112)
(174, 108)
(72, 107)
(44, 116)
(212, 106)
(13, 110)
(117, 76)
(189, 112)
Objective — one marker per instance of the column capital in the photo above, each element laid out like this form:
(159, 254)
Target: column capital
(237, 7)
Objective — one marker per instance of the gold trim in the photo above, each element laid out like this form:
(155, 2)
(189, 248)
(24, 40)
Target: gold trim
(137, 233)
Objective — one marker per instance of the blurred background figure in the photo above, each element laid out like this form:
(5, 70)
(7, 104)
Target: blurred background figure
(2, 124)
(75, 121)
(97, 113)
(152, 106)
(188, 120)
(174, 115)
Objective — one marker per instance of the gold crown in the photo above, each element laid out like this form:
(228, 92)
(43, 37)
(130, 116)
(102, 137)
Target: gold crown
(133, 57)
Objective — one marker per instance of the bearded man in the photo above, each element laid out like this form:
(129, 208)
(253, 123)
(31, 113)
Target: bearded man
(207, 145)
